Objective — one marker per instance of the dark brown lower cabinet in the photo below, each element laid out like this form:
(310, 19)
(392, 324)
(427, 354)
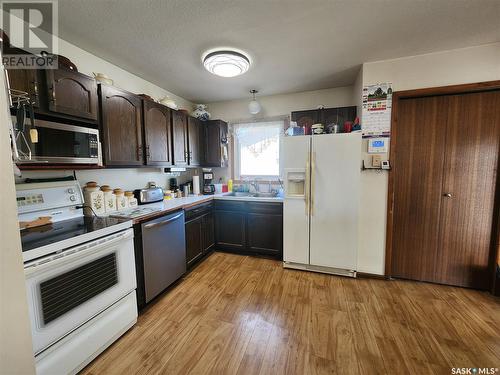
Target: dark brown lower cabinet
(249, 227)
(199, 232)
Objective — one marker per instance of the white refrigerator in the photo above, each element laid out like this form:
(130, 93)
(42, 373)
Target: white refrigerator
(320, 211)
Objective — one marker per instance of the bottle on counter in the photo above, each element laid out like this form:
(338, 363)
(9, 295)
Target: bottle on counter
(94, 199)
(131, 200)
(121, 201)
(230, 185)
(109, 198)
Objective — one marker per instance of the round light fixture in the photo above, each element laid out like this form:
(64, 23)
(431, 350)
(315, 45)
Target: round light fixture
(226, 63)
(254, 105)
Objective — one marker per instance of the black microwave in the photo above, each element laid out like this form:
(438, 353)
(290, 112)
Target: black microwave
(58, 143)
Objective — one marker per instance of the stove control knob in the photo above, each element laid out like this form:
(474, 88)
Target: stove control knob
(72, 198)
(71, 191)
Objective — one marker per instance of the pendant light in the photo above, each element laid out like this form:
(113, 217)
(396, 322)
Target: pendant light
(253, 106)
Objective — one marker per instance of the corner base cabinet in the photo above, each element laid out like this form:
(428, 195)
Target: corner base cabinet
(249, 227)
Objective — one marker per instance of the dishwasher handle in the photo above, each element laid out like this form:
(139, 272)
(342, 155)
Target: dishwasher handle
(153, 225)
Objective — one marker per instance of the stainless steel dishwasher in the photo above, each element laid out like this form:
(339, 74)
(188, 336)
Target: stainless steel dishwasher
(164, 252)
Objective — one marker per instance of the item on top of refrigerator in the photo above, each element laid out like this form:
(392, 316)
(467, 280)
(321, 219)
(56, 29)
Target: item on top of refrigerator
(295, 130)
(332, 128)
(307, 129)
(347, 126)
(94, 199)
(356, 126)
(121, 201)
(131, 200)
(109, 198)
(317, 128)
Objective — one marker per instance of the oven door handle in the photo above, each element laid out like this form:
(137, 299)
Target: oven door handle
(54, 260)
(152, 225)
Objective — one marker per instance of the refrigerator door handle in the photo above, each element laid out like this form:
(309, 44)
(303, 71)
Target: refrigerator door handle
(306, 185)
(313, 177)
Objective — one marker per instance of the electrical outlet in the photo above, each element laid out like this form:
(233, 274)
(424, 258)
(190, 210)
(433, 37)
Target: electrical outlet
(376, 161)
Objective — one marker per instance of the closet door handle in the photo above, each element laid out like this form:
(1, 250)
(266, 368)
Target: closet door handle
(447, 195)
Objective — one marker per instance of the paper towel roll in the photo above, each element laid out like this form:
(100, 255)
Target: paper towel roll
(196, 185)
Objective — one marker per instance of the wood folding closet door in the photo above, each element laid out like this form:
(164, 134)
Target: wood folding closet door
(443, 187)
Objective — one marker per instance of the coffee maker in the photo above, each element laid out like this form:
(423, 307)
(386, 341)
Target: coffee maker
(208, 187)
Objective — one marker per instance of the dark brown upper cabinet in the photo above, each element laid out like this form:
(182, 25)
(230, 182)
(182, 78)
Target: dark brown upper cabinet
(71, 93)
(337, 115)
(306, 118)
(325, 116)
(215, 143)
(121, 127)
(195, 149)
(180, 138)
(157, 133)
(27, 80)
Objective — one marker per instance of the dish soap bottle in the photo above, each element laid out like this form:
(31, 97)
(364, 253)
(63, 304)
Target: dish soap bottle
(230, 185)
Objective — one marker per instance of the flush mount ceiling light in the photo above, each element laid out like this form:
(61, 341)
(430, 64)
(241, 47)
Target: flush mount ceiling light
(226, 63)
(253, 106)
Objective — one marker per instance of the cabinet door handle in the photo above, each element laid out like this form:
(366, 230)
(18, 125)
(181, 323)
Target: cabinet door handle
(53, 94)
(447, 195)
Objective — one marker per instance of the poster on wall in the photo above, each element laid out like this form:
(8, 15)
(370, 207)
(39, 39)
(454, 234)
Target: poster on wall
(377, 104)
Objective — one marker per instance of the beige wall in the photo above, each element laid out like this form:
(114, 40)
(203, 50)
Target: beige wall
(467, 65)
(87, 63)
(16, 351)
(279, 105)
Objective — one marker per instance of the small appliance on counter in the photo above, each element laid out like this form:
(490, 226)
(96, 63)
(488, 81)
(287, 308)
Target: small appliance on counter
(208, 187)
(149, 195)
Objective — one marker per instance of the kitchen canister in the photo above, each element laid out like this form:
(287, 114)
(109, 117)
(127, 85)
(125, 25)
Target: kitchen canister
(109, 198)
(121, 201)
(131, 200)
(94, 199)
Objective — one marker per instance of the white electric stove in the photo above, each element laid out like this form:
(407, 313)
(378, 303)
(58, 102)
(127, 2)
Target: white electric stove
(80, 276)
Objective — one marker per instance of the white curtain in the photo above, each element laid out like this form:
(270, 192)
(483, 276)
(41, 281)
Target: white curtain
(257, 147)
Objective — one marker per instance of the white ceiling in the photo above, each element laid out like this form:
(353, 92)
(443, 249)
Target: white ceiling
(296, 45)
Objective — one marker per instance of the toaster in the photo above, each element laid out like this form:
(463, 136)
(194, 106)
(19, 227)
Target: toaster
(149, 195)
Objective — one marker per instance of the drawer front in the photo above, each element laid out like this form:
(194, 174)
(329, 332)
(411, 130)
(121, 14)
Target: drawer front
(265, 208)
(198, 210)
(221, 205)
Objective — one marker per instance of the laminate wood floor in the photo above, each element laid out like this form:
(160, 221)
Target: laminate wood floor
(242, 315)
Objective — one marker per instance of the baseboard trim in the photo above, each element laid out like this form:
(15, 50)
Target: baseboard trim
(320, 269)
(366, 275)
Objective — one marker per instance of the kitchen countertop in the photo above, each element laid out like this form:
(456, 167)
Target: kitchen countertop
(184, 203)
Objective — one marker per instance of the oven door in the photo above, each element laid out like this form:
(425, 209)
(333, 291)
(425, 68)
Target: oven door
(68, 289)
(60, 143)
